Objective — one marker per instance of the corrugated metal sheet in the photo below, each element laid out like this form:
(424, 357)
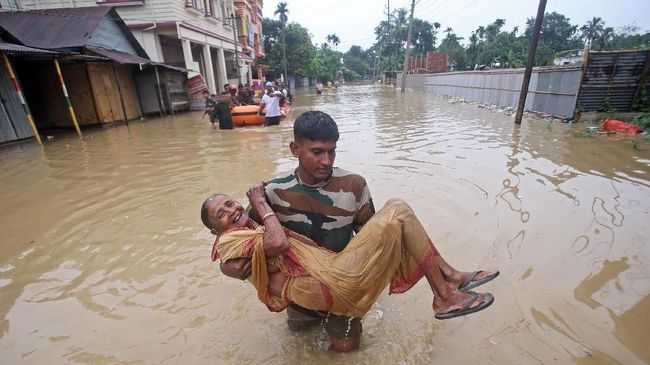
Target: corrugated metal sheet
(64, 28)
(120, 57)
(612, 80)
(552, 90)
(18, 49)
(54, 28)
(13, 122)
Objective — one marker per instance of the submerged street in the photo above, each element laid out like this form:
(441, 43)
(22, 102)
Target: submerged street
(104, 258)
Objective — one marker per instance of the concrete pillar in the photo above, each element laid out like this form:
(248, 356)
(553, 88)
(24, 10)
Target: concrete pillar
(222, 77)
(209, 69)
(187, 55)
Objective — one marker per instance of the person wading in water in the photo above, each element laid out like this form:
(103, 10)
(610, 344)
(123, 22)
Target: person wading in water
(332, 208)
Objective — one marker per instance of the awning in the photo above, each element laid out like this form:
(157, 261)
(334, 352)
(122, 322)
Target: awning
(175, 68)
(129, 59)
(12, 48)
(120, 57)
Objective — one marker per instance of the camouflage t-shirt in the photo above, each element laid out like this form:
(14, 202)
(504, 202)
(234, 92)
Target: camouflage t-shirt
(328, 213)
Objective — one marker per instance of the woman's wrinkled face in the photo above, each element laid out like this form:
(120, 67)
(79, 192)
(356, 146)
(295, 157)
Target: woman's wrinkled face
(226, 213)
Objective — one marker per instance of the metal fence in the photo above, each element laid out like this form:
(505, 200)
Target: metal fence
(614, 80)
(552, 90)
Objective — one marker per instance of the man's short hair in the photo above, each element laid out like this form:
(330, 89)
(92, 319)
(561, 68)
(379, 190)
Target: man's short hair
(316, 126)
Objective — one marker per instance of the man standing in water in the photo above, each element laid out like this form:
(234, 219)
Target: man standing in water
(222, 109)
(210, 106)
(271, 102)
(328, 205)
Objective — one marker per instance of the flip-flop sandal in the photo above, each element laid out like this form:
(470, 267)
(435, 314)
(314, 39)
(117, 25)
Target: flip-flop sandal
(468, 309)
(471, 282)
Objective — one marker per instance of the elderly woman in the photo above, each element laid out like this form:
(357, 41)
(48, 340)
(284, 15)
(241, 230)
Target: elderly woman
(392, 249)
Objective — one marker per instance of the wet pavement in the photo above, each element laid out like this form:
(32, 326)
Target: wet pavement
(104, 259)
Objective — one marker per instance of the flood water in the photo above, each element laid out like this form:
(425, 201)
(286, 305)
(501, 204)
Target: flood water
(104, 259)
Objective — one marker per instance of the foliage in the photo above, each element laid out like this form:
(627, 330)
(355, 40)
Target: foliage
(282, 11)
(356, 63)
(452, 47)
(326, 64)
(300, 49)
(333, 39)
(490, 44)
(642, 121)
(557, 34)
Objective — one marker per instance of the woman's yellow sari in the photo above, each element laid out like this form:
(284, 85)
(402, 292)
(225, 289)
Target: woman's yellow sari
(392, 248)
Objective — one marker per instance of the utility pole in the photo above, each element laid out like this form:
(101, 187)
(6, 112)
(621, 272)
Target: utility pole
(408, 47)
(532, 49)
(284, 57)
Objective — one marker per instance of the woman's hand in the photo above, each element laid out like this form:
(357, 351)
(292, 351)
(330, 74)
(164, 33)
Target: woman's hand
(256, 195)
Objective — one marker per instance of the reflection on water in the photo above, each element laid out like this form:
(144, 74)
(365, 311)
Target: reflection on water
(104, 260)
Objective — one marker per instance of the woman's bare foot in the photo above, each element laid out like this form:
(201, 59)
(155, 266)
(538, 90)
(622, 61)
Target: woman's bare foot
(468, 280)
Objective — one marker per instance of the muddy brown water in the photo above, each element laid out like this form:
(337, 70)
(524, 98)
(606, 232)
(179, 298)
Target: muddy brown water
(104, 260)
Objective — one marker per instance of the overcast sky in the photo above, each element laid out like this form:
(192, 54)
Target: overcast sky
(354, 20)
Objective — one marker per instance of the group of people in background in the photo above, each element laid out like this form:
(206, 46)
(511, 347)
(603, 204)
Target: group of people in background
(330, 85)
(273, 98)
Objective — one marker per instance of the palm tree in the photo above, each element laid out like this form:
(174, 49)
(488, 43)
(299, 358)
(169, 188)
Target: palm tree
(605, 38)
(282, 11)
(592, 30)
(333, 39)
(434, 31)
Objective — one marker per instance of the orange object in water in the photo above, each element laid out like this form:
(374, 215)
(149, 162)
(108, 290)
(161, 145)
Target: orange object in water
(619, 126)
(247, 115)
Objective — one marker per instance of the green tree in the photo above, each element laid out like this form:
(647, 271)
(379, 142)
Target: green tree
(282, 11)
(456, 52)
(300, 49)
(557, 34)
(591, 30)
(628, 37)
(391, 34)
(606, 38)
(357, 62)
(272, 30)
(333, 39)
(326, 64)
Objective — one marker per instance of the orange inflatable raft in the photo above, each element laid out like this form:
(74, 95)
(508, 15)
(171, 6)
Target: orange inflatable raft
(246, 115)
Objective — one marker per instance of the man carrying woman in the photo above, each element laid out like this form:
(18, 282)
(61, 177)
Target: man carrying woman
(307, 255)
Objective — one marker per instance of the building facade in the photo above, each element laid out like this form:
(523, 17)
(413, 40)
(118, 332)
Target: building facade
(249, 31)
(199, 35)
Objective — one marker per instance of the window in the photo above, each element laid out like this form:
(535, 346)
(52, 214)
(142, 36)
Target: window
(210, 9)
(207, 7)
(224, 15)
(195, 4)
(121, 2)
(12, 5)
